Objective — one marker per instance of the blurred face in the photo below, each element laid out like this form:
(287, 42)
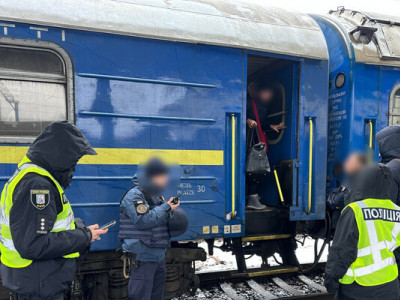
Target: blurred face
(160, 181)
(352, 164)
(265, 95)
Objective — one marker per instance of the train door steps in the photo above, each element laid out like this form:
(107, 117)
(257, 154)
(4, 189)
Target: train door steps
(271, 220)
(263, 237)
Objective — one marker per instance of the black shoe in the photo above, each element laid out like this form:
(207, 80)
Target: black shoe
(254, 202)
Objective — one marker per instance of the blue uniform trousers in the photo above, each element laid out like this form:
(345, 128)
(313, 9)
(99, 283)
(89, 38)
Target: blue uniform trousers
(30, 297)
(147, 280)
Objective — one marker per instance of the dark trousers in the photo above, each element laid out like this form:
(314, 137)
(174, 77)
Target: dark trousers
(147, 280)
(354, 291)
(253, 183)
(30, 297)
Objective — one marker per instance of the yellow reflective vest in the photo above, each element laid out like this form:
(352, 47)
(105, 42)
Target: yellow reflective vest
(64, 221)
(378, 223)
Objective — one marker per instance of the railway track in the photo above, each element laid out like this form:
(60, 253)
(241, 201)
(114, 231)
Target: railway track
(283, 285)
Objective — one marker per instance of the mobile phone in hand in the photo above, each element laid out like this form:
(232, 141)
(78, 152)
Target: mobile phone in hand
(108, 225)
(176, 199)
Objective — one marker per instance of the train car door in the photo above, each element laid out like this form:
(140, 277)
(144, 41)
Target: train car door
(298, 153)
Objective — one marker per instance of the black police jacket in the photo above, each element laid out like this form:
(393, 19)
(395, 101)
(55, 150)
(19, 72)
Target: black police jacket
(389, 148)
(57, 149)
(50, 273)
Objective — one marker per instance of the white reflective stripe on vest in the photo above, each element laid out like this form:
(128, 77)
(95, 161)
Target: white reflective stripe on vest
(372, 268)
(9, 244)
(375, 249)
(383, 244)
(64, 223)
(4, 219)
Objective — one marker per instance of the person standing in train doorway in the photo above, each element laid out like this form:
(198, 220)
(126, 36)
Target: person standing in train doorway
(40, 239)
(147, 223)
(258, 100)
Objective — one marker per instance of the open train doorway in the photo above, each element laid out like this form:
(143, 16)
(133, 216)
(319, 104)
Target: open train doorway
(271, 117)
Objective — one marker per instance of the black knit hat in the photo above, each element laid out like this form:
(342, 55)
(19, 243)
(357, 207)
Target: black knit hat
(154, 167)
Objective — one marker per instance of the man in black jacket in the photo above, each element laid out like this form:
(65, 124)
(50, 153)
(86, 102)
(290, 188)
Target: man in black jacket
(373, 182)
(41, 239)
(336, 199)
(389, 148)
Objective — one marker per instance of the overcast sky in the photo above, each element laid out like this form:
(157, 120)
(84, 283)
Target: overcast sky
(391, 7)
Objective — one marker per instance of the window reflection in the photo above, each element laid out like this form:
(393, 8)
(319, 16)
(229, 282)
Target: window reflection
(32, 91)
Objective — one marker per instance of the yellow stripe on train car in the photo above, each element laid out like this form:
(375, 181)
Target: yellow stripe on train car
(121, 156)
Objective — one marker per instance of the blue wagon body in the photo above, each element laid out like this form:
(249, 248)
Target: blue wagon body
(366, 101)
(171, 79)
(133, 95)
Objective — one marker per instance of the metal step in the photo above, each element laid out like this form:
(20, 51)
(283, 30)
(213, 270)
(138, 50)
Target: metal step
(266, 237)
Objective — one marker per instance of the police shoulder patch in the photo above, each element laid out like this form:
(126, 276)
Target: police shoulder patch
(141, 207)
(40, 198)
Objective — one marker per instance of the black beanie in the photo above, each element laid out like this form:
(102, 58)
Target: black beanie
(154, 167)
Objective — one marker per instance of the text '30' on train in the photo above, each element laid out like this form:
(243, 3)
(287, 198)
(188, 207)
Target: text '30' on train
(172, 77)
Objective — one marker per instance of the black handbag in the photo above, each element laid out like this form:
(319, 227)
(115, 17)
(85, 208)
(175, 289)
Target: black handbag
(257, 159)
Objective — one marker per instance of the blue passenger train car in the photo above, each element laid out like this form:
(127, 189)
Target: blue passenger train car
(364, 93)
(139, 77)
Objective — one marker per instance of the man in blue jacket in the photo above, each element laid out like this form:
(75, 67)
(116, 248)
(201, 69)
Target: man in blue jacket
(144, 231)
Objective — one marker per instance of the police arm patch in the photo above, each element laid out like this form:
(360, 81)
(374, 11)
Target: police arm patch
(40, 198)
(141, 207)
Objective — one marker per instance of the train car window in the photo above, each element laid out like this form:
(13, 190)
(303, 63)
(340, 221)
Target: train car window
(32, 91)
(394, 110)
(27, 60)
(340, 80)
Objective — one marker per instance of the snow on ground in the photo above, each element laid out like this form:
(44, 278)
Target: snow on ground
(224, 261)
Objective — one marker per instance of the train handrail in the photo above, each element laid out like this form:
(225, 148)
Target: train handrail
(310, 158)
(370, 132)
(279, 187)
(233, 213)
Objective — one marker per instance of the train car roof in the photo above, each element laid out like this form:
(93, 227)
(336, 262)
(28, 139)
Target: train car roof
(382, 48)
(214, 22)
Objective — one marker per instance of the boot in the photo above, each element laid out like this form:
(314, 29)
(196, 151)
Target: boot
(254, 202)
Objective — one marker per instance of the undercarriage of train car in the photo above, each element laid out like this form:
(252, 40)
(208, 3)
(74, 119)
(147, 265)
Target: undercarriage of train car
(105, 275)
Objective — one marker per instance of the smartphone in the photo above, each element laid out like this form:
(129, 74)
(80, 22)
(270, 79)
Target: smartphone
(108, 225)
(176, 199)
